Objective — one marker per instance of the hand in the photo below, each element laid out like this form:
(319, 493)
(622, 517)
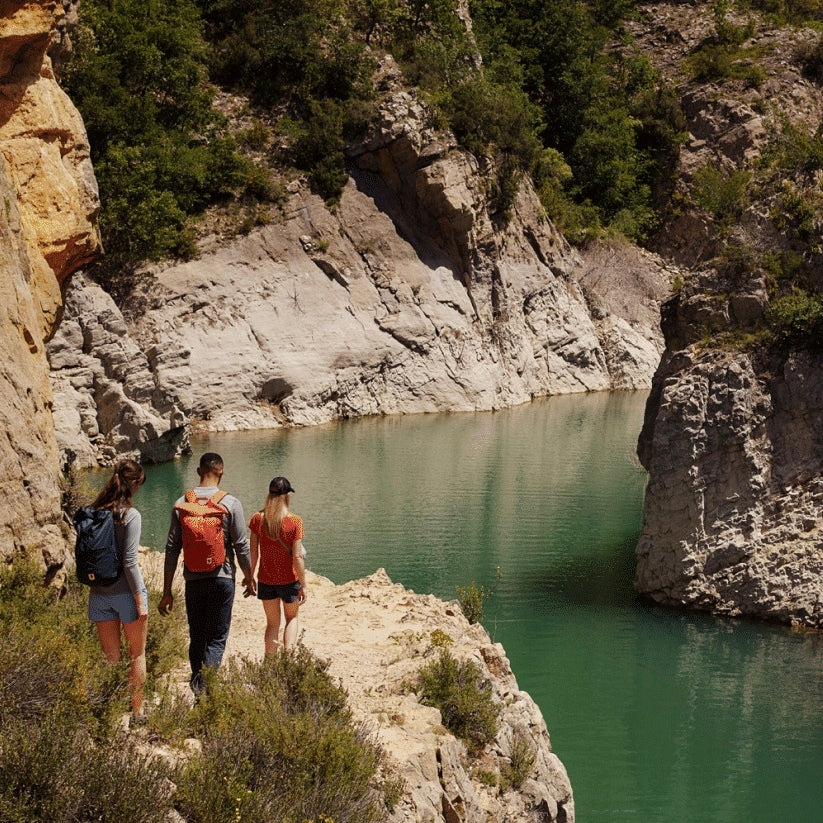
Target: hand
(251, 587)
(165, 605)
(142, 606)
(302, 594)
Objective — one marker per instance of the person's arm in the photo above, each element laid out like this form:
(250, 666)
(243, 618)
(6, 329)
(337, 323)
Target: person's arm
(132, 525)
(174, 543)
(254, 544)
(240, 544)
(299, 566)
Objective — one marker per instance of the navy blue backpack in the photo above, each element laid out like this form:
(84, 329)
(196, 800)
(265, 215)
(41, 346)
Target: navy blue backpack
(95, 552)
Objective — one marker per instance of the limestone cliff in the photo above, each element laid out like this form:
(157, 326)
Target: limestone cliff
(733, 435)
(47, 230)
(412, 295)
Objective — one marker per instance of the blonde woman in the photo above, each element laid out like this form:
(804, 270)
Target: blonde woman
(276, 542)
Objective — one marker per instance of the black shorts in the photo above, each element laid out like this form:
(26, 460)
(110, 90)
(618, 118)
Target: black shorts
(287, 593)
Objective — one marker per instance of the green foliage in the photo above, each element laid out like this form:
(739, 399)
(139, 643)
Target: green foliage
(797, 318)
(607, 112)
(138, 78)
(723, 196)
(521, 762)
(795, 12)
(38, 625)
(440, 638)
(279, 743)
(55, 771)
(463, 697)
(58, 698)
(472, 600)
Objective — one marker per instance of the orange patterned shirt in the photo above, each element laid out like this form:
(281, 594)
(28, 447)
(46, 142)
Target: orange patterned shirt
(276, 567)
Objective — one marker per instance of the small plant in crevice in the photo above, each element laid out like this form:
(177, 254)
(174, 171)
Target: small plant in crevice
(472, 601)
(522, 761)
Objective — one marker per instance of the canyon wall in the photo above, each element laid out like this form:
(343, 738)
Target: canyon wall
(411, 295)
(47, 230)
(733, 435)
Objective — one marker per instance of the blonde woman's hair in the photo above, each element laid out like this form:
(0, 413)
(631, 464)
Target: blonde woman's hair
(276, 506)
(275, 509)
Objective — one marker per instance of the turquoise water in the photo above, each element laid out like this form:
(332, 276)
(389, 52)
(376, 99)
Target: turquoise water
(658, 716)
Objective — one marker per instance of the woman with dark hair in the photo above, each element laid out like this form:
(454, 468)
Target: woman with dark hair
(124, 602)
(276, 541)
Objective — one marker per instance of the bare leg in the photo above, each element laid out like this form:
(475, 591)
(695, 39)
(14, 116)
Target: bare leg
(136, 638)
(272, 636)
(290, 630)
(109, 633)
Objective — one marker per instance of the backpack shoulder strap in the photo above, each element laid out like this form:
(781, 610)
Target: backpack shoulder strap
(215, 499)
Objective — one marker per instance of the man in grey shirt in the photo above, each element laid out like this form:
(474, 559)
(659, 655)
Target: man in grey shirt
(209, 594)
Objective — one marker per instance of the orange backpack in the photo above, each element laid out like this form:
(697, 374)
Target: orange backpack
(201, 524)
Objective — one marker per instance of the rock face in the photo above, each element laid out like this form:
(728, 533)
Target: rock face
(732, 520)
(733, 439)
(411, 296)
(47, 230)
(111, 407)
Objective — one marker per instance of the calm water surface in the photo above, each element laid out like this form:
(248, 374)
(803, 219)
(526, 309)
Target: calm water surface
(658, 716)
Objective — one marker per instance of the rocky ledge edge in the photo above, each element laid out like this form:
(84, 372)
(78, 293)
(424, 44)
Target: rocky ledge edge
(376, 635)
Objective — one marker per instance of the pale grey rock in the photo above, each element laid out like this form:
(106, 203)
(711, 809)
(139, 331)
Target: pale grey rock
(106, 403)
(410, 297)
(732, 518)
(624, 288)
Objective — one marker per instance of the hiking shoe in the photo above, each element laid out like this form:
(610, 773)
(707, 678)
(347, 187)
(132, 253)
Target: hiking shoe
(137, 720)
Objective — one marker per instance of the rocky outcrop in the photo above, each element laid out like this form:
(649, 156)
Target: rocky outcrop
(385, 633)
(624, 287)
(47, 230)
(412, 295)
(733, 435)
(110, 406)
(376, 635)
(732, 519)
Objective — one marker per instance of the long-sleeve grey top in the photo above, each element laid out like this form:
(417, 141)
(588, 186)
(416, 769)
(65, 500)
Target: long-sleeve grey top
(234, 536)
(127, 535)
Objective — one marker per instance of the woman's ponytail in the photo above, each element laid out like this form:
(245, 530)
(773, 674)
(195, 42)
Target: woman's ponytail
(119, 490)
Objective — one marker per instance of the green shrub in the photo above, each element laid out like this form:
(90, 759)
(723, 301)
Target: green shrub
(463, 696)
(53, 770)
(521, 762)
(138, 76)
(724, 196)
(281, 739)
(797, 318)
(472, 599)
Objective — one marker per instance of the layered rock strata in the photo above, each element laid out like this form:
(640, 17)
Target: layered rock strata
(47, 230)
(110, 406)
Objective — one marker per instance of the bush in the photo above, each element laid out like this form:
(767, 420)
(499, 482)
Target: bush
(522, 761)
(464, 698)
(797, 319)
(282, 740)
(37, 625)
(138, 75)
(472, 599)
(58, 698)
(55, 771)
(724, 196)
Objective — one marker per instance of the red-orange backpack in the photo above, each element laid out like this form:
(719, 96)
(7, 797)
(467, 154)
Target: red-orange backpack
(201, 525)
